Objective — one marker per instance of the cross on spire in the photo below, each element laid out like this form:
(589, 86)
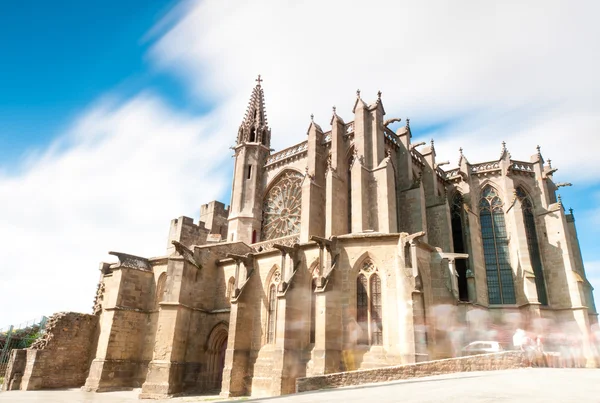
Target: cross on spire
(259, 80)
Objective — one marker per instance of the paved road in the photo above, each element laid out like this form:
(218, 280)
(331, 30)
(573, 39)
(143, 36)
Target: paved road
(531, 385)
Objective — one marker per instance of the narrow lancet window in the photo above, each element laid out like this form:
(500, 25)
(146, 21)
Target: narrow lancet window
(313, 309)
(457, 213)
(533, 245)
(369, 313)
(376, 320)
(501, 288)
(272, 314)
(362, 309)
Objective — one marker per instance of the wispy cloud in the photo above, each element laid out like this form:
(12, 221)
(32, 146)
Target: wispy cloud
(113, 182)
(478, 72)
(520, 72)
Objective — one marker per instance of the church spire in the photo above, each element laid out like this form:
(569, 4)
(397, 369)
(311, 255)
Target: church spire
(254, 128)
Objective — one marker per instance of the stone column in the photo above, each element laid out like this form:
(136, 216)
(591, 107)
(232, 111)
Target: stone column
(239, 339)
(119, 350)
(166, 370)
(313, 187)
(327, 350)
(471, 286)
(336, 198)
(387, 220)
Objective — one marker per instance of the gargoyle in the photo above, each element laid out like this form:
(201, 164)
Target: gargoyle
(390, 121)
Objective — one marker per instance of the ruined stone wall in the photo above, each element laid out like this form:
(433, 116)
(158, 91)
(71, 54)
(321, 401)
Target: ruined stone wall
(59, 358)
(486, 362)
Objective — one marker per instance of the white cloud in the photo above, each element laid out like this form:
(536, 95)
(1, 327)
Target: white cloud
(524, 73)
(113, 182)
(520, 72)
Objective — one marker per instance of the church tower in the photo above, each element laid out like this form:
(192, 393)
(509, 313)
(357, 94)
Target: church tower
(251, 151)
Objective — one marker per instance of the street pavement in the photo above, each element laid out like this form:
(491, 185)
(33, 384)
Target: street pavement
(519, 385)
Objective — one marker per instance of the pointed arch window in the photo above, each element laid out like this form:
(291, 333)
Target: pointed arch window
(230, 288)
(532, 244)
(161, 288)
(501, 287)
(272, 314)
(459, 239)
(369, 312)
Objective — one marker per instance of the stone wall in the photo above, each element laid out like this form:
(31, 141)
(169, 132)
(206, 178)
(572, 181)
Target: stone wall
(486, 362)
(58, 359)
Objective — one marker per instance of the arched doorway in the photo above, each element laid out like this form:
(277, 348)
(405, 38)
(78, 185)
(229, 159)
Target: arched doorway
(216, 348)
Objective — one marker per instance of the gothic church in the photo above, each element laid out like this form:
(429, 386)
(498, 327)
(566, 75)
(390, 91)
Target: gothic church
(332, 256)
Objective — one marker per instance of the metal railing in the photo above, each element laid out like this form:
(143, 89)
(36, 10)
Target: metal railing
(19, 336)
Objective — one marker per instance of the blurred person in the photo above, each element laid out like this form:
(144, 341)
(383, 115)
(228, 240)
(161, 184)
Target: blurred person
(541, 359)
(518, 339)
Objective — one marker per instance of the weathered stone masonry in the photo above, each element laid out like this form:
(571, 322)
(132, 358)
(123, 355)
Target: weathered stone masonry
(351, 250)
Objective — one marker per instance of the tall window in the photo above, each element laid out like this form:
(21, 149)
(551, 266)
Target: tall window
(407, 256)
(369, 312)
(313, 308)
(161, 288)
(533, 245)
(230, 287)
(362, 309)
(501, 287)
(457, 213)
(272, 314)
(376, 320)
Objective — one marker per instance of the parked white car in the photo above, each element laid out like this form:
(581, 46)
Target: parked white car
(482, 347)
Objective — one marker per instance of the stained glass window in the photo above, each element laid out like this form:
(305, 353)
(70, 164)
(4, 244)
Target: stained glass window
(533, 245)
(271, 314)
(459, 240)
(369, 314)
(501, 288)
(362, 308)
(376, 321)
(282, 207)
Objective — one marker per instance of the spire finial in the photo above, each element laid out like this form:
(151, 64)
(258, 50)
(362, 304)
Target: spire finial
(358, 93)
(503, 145)
(334, 109)
(571, 211)
(431, 143)
(550, 164)
(312, 117)
(407, 123)
(379, 95)
(559, 200)
(539, 149)
(460, 150)
(259, 80)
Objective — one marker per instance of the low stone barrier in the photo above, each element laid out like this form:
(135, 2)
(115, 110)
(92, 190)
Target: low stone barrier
(483, 362)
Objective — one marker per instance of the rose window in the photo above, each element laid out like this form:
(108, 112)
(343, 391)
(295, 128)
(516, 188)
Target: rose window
(281, 209)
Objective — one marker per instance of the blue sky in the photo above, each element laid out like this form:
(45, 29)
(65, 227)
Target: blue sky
(59, 57)
(116, 117)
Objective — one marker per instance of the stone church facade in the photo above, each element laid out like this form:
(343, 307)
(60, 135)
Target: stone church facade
(332, 256)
